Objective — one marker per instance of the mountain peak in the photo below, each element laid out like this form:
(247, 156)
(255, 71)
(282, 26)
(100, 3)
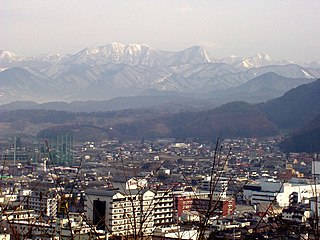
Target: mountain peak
(4, 53)
(116, 44)
(262, 56)
(130, 54)
(257, 60)
(133, 54)
(8, 57)
(195, 54)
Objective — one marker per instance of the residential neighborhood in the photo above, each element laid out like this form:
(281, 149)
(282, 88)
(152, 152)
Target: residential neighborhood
(227, 189)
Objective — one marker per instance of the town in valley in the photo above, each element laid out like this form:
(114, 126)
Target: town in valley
(240, 188)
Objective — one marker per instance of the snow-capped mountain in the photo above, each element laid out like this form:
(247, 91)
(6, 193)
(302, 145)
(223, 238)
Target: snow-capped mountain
(99, 73)
(132, 54)
(258, 60)
(19, 84)
(289, 71)
(7, 58)
(314, 64)
(51, 58)
(262, 88)
(192, 55)
(232, 59)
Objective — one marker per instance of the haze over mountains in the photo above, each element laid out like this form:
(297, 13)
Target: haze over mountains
(135, 91)
(297, 112)
(116, 70)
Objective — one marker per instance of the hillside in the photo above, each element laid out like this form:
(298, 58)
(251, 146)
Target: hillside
(295, 108)
(259, 89)
(307, 139)
(236, 119)
(172, 102)
(288, 113)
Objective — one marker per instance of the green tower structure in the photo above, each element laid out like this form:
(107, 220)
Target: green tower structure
(63, 150)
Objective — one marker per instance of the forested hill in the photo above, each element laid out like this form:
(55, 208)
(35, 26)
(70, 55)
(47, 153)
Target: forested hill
(298, 109)
(307, 139)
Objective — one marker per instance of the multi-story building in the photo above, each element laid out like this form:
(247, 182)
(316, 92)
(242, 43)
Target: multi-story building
(121, 214)
(199, 202)
(218, 186)
(270, 190)
(44, 203)
(130, 213)
(163, 208)
(296, 214)
(7, 198)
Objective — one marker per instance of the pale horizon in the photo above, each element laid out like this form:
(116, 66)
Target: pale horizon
(285, 30)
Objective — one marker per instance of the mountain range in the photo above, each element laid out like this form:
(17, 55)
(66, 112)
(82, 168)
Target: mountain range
(297, 112)
(116, 70)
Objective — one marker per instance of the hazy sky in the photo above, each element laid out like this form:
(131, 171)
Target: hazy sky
(285, 29)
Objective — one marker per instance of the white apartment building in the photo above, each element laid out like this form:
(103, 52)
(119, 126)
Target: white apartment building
(219, 186)
(6, 198)
(270, 190)
(296, 214)
(42, 202)
(163, 208)
(130, 208)
(121, 214)
(135, 212)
